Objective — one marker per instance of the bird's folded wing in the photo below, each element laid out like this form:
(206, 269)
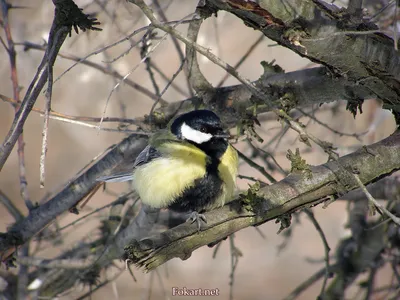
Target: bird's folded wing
(146, 155)
(149, 153)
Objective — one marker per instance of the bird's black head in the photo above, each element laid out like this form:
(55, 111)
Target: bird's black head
(202, 128)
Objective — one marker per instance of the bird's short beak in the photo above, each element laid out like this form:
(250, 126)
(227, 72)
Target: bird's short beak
(222, 135)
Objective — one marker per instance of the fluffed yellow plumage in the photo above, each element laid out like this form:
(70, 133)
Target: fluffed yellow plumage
(188, 167)
(166, 178)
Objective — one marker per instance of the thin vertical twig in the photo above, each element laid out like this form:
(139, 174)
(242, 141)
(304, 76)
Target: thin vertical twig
(176, 44)
(166, 87)
(58, 38)
(146, 45)
(26, 107)
(5, 7)
(396, 7)
(121, 102)
(235, 254)
(313, 220)
(370, 286)
(196, 78)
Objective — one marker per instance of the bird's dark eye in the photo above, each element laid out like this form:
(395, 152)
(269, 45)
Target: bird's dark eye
(203, 129)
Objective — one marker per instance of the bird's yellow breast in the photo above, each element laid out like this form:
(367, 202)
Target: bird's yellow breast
(163, 180)
(227, 169)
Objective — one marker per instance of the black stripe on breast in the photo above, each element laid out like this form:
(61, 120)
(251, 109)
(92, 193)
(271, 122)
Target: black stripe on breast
(204, 192)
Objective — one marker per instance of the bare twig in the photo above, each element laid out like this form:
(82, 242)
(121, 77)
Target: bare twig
(83, 60)
(99, 286)
(166, 88)
(385, 7)
(196, 78)
(58, 34)
(9, 205)
(243, 58)
(146, 46)
(15, 103)
(103, 69)
(354, 135)
(206, 52)
(304, 135)
(256, 166)
(149, 52)
(371, 283)
(58, 39)
(374, 202)
(54, 263)
(165, 77)
(312, 218)
(120, 200)
(97, 127)
(182, 58)
(310, 281)
(235, 254)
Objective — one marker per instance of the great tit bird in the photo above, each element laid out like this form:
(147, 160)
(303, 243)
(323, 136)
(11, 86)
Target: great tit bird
(187, 167)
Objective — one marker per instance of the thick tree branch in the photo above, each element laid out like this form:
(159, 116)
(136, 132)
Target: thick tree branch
(294, 89)
(318, 31)
(296, 191)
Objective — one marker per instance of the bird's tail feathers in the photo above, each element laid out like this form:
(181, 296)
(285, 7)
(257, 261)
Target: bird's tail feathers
(118, 177)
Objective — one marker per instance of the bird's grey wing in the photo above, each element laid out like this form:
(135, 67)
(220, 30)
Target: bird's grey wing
(149, 153)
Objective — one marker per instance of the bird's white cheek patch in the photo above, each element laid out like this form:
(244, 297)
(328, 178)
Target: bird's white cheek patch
(194, 135)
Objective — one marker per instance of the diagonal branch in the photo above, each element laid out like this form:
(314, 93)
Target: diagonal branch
(296, 191)
(69, 196)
